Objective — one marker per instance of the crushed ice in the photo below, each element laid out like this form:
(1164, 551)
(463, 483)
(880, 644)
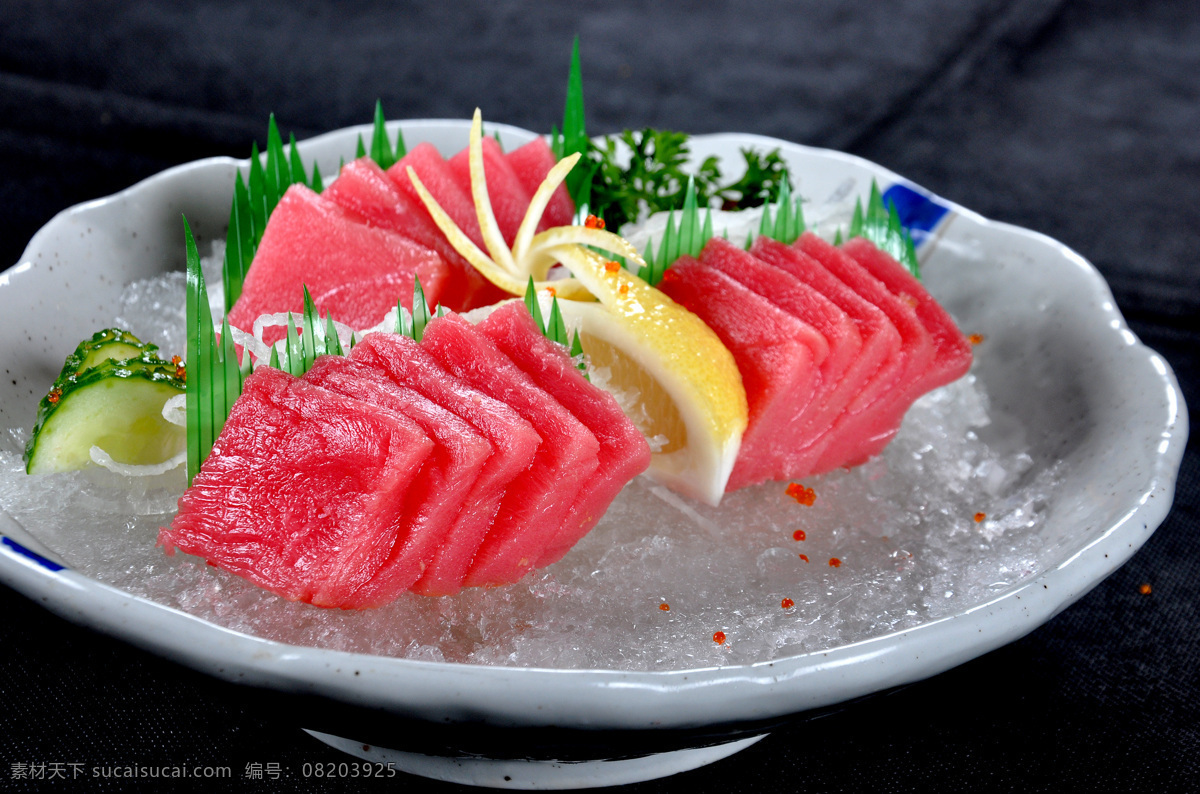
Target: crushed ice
(902, 527)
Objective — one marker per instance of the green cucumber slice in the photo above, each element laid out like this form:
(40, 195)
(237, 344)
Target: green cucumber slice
(115, 405)
(111, 343)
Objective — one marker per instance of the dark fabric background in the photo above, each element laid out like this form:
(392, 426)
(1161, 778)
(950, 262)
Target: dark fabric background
(1077, 119)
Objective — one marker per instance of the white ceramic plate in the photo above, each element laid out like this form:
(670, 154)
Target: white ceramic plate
(1059, 355)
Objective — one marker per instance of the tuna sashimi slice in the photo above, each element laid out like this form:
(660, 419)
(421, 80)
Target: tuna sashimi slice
(514, 440)
(870, 430)
(437, 177)
(536, 504)
(364, 189)
(303, 491)
(355, 272)
(441, 488)
(508, 196)
(623, 452)
(532, 163)
(841, 375)
(775, 355)
(952, 357)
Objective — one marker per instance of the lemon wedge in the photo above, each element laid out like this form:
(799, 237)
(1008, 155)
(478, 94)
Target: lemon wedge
(676, 380)
(672, 375)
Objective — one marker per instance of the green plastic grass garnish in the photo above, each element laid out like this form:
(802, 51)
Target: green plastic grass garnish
(256, 196)
(382, 150)
(412, 324)
(881, 225)
(555, 327)
(689, 235)
(214, 377)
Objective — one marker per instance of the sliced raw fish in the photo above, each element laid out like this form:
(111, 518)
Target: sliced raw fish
(303, 492)
(776, 354)
(867, 433)
(952, 357)
(623, 452)
(514, 439)
(354, 272)
(531, 163)
(364, 189)
(536, 503)
(443, 486)
(844, 370)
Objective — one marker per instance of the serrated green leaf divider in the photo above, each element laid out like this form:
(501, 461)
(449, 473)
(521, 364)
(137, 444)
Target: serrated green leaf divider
(257, 196)
(412, 324)
(573, 136)
(881, 225)
(382, 151)
(689, 236)
(214, 378)
(554, 329)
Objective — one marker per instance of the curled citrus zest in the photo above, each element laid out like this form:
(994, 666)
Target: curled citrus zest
(493, 238)
(463, 244)
(539, 256)
(539, 202)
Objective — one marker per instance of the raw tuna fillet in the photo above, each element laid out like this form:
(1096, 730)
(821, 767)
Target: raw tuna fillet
(536, 503)
(437, 177)
(444, 484)
(840, 372)
(531, 163)
(514, 440)
(952, 350)
(303, 492)
(508, 196)
(870, 430)
(354, 272)
(777, 355)
(623, 452)
(364, 189)
(879, 362)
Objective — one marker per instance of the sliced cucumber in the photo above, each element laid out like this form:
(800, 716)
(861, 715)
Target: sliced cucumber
(113, 404)
(111, 343)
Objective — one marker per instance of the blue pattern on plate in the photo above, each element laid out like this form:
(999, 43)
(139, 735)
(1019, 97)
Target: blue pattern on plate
(49, 565)
(918, 212)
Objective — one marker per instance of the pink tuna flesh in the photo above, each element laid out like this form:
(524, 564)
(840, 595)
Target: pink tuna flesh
(537, 502)
(623, 452)
(303, 492)
(514, 440)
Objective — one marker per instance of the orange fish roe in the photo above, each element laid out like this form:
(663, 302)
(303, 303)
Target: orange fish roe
(799, 535)
(979, 517)
(804, 557)
(719, 638)
(553, 292)
(665, 607)
(612, 266)
(787, 603)
(976, 339)
(54, 396)
(834, 562)
(624, 288)
(592, 222)
(1144, 589)
(181, 372)
(805, 496)
(176, 360)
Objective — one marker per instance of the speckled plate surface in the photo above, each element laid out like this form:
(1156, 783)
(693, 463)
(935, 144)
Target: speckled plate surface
(1059, 356)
